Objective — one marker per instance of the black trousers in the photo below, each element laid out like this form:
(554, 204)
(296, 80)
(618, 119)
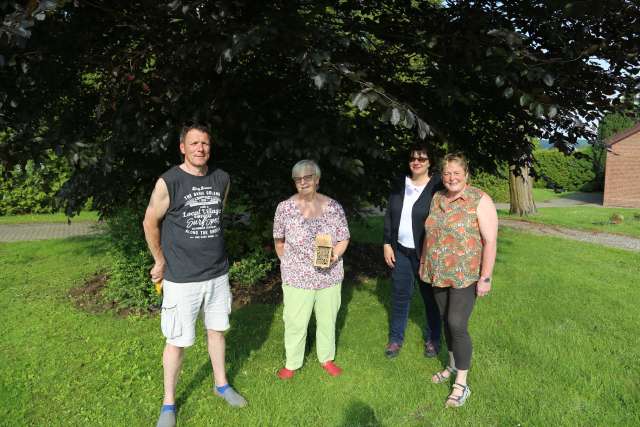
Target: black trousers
(455, 306)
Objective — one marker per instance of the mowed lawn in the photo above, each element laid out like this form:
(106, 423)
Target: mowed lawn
(590, 218)
(556, 343)
(48, 218)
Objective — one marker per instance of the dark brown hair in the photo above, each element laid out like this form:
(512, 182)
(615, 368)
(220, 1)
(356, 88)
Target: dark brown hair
(189, 126)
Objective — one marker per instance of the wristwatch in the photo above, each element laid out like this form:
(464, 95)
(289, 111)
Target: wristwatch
(486, 279)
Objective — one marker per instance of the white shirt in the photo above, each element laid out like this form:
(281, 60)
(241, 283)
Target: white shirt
(411, 194)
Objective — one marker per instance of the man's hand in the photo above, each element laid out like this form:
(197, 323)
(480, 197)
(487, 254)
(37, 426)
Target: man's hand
(157, 272)
(389, 255)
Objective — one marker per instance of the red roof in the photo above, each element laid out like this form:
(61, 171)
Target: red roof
(622, 135)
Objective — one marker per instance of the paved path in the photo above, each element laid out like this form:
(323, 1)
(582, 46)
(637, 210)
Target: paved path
(42, 231)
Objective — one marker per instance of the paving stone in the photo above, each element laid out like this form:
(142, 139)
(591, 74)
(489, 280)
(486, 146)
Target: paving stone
(43, 231)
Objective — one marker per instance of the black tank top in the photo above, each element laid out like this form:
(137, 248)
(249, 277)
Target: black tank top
(192, 239)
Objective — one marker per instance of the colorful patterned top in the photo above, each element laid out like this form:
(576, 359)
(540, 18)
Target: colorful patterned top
(299, 234)
(453, 242)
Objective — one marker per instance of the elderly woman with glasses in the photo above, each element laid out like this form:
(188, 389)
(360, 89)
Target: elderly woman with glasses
(306, 288)
(407, 210)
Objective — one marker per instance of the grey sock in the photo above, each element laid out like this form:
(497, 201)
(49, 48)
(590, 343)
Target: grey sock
(232, 397)
(167, 419)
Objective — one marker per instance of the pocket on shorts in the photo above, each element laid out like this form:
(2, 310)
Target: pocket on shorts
(170, 322)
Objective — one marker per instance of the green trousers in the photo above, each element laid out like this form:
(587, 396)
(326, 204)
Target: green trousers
(298, 305)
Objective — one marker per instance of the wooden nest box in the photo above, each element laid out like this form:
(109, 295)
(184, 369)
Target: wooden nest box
(324, 247)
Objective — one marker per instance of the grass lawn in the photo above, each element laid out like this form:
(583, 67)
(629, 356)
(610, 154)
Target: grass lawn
(546, 194)
(590, 218)
(57, 217)
(555, 344)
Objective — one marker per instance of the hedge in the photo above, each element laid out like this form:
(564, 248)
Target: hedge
(573, 172)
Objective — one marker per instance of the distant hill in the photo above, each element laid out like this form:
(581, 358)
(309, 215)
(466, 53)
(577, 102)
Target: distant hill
(544, 143)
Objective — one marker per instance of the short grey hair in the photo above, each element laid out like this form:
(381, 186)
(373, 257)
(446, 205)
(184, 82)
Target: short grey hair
(304, 165)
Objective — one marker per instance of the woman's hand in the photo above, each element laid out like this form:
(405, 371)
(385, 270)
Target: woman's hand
(389, 255)
(421, 270)
(338, 250)
(483, 287)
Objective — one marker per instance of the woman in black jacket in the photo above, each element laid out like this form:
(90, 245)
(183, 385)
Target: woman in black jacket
(407, 210)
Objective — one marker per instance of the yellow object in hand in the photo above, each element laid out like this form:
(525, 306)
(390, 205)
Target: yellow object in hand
(158, 287)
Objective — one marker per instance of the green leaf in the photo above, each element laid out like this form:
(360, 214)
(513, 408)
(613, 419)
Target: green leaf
(423, 129)
(361, 100)
(409, 120)
(320, 79)
(395, 116)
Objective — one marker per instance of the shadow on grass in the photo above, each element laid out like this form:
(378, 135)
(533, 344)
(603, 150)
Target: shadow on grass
(347, 296)
(592, 198)
(249, 331)
(416, 310)
(96, 245)
(417, 314)
(359, 414)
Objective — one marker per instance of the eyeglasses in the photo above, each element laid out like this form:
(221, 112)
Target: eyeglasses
(300, 179)
(419, 159)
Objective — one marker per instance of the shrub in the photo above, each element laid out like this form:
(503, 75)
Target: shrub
(130, 285)
(32, 187)
(244, 234)
(571, 173)
(616, 218)
(251, 269)
(496, 185)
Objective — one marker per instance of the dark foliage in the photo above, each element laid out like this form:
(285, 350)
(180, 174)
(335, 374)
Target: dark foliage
(351, 83)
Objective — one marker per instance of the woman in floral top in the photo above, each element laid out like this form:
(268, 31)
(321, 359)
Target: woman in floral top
(306, 288)
(458, 256)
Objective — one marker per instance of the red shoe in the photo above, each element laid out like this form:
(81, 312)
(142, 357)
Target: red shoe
(331, 368)
(286, 374)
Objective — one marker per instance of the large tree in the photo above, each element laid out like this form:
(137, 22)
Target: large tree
(350, 83)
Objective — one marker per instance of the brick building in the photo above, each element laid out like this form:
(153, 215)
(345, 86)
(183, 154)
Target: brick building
(622, 173)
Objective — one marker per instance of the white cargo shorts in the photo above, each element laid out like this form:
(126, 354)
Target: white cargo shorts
(182, 302)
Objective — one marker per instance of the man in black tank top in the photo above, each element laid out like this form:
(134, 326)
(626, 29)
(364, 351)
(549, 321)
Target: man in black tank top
(183, 228)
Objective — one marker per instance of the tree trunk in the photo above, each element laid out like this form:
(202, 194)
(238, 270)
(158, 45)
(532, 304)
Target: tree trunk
(521, 191)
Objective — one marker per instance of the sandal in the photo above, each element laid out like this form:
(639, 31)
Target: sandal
(438, 378)
(457, 401)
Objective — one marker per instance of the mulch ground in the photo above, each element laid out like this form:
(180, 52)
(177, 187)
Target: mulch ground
(362, 261)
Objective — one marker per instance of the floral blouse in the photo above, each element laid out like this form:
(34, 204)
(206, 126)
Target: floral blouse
(299, 234)
(453, 242)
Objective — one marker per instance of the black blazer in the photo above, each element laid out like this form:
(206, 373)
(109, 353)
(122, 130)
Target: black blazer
(419, 212)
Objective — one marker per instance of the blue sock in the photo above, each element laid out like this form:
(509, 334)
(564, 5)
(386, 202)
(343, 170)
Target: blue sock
(222, 389)
(168, 408)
